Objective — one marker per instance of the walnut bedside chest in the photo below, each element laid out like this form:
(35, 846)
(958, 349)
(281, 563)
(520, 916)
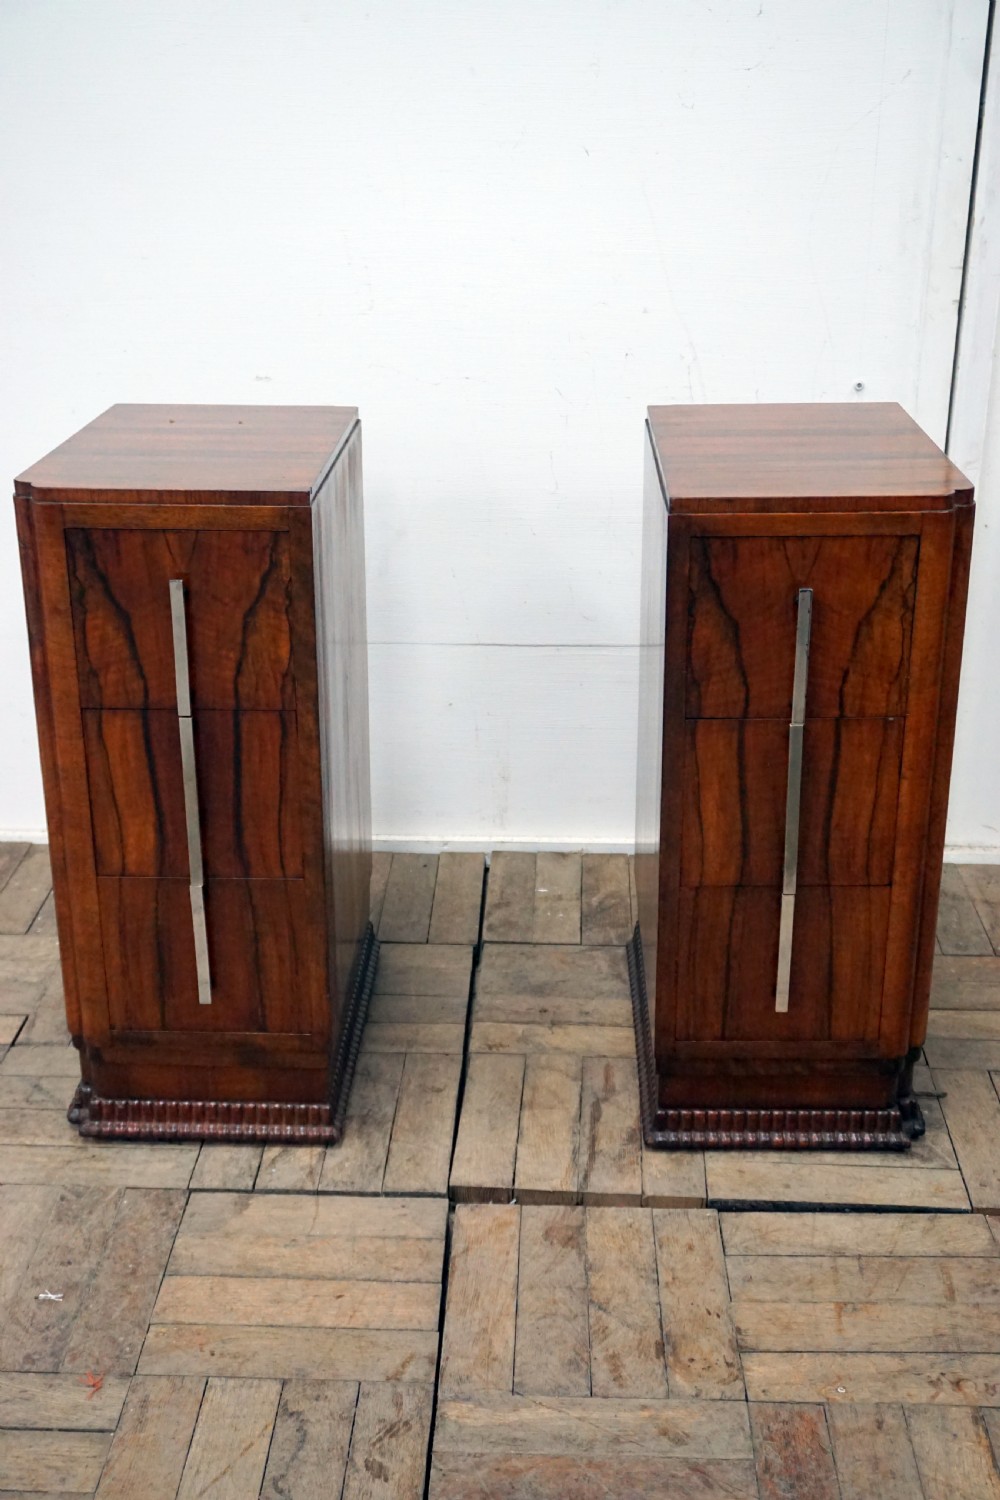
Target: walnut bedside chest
(804, 582)
(195, 590)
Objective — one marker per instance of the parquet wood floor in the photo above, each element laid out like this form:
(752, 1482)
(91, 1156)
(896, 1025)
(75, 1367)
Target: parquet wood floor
(490, 1289)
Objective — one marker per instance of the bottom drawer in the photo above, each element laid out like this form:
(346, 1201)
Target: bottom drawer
(267, 957)
(727, 963)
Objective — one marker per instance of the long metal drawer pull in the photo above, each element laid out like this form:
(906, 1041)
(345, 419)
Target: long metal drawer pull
(189, 770)
(793, 795)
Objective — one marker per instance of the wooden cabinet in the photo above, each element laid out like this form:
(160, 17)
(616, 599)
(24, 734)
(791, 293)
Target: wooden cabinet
(195, 590)
(803, 597)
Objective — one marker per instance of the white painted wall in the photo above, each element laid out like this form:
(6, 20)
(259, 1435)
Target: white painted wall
(502, 228)
(974, 443)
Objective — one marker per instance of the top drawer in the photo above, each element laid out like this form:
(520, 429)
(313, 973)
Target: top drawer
(742, 610)
(237, 605)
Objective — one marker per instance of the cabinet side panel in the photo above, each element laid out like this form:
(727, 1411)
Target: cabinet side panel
(951, 666)
(916, 780)
(67, 790)
(342, 661)
(649, 770)
(27, 543)
(672, 790)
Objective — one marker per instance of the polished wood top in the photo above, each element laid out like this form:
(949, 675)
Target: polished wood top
(271, 454)
(822, 456)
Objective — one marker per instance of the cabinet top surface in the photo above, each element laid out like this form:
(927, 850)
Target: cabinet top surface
(188, 452)
(771, 457)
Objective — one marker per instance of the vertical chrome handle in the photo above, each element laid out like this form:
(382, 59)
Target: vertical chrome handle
(793, 797)
(189, 771)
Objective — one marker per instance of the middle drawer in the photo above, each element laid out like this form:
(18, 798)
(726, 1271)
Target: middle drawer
(247, 764)
(735, 779)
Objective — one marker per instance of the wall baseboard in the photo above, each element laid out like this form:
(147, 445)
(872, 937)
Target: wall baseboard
(954, 854)
(972, 854)
(506, 846)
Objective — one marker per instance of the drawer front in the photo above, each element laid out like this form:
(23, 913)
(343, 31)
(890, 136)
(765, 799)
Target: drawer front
(728, 956)
(735, 779)
(266, 957)
(247, 783)
(237, 606)
(741, 624)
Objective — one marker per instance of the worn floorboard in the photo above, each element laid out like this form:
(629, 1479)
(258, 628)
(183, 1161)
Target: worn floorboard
(234, 1321)
(558, 1120)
